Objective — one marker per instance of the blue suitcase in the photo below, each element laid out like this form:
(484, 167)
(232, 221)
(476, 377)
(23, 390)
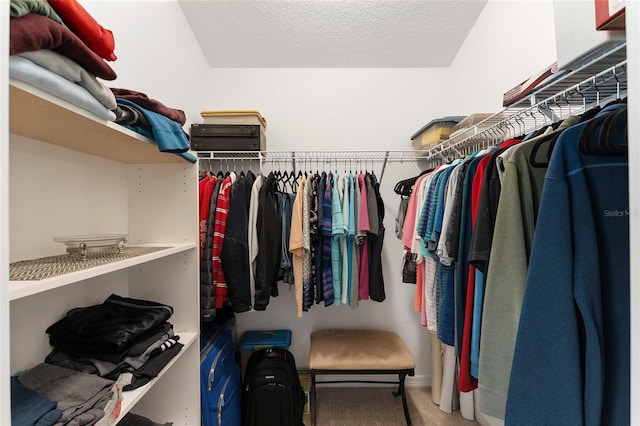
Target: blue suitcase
(230, 400)
(217, 362)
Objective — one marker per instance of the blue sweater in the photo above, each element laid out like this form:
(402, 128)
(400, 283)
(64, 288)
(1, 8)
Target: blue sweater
(168, 134)
(571, 360)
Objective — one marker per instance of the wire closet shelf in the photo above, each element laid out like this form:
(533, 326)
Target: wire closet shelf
(598, 81)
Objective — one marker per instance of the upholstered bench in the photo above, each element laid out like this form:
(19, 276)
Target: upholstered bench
(354, 352)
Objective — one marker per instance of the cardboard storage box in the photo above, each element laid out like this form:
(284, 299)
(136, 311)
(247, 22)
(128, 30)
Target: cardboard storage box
(249, 117)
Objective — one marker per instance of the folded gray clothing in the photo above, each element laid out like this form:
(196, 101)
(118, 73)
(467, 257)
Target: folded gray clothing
(138, 361)
(82, 397)
(132, 362)
(25, 70)
(154, 366)
(18, 8)
(113, 407)
(131, 116)
(69, 69)
(126, 115)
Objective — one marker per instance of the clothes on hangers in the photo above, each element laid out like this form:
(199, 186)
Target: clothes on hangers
(542, 246)
(515, 223)
(269, 239)
(376, 277)
(209, 187)
(325, 239)
(579, 274)
(296, 245)
(219, 230)
(234, 256)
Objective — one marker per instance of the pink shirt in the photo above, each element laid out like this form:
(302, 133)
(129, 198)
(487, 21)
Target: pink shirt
(363, 291)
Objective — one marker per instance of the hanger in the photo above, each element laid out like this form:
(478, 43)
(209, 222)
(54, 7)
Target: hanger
(405, 187)
(297, 179)
(605, 135)
(290, 179)
(614, 133)
(615, 75)
(551, 141)
(241, 168)
(220, 174)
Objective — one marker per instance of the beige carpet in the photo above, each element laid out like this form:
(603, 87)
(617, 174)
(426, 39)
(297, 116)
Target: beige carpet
(373, 406)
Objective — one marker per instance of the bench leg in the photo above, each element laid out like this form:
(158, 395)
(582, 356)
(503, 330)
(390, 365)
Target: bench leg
(313, 406)
(402, 393)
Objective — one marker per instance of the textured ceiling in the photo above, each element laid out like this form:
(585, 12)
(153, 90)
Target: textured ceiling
(330, 33)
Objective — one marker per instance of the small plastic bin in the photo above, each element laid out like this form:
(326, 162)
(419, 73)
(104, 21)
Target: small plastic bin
(434, 132)
(258, 339)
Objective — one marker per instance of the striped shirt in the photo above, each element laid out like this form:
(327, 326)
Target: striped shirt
(325, 234)
(222, 210)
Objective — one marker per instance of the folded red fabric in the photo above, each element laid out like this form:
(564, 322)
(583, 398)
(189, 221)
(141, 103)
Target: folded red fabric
(33, 32)
(94, 35)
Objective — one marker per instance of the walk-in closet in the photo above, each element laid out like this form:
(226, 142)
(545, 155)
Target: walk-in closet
(502, 256)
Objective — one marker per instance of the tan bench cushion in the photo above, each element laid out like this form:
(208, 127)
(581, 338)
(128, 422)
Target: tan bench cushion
(358, 350)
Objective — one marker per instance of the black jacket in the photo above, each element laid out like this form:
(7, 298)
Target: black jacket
(235, 248)
(376, 278)
(269, 230)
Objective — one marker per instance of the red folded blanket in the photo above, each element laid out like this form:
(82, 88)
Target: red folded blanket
(33, 32)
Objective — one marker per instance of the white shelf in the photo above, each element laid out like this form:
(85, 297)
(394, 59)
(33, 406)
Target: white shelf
(131, 398)
(38, 115)
(19, 289)
(151, 194)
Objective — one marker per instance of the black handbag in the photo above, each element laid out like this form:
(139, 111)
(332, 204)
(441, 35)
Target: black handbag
(409, 268)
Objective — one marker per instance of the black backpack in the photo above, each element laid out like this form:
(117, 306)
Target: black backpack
(271, 393)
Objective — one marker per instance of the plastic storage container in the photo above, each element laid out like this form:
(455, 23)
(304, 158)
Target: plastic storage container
(258, 339)
(434, 132)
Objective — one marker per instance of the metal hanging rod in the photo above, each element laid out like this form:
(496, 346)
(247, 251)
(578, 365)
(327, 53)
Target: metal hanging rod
(296, 158)
(279, 156)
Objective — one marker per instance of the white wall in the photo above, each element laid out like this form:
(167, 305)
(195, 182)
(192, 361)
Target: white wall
(379, 109)
(511, 41)
(157, 52)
